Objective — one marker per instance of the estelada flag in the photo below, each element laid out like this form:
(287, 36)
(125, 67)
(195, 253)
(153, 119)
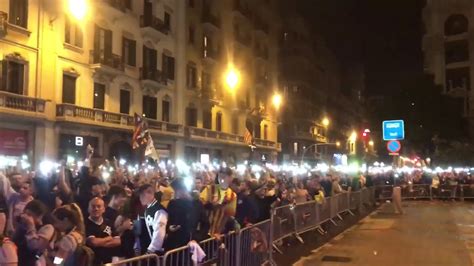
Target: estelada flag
(140, 133)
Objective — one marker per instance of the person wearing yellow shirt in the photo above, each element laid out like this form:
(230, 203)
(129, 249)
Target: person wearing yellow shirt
(219, 201)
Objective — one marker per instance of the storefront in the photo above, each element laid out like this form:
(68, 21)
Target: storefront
(76, 145)
(13, 143)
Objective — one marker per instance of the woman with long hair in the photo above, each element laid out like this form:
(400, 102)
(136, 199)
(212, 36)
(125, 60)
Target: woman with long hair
(70, 224)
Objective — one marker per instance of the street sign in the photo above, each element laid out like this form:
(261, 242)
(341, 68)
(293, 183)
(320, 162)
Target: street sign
(394, 146)
(393, 130)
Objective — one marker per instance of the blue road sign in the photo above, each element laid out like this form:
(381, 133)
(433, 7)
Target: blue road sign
(394, 146)
(393, 130)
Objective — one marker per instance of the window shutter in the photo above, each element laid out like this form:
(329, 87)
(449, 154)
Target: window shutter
(67, 31)
(79, 38)
(171, 68)
(108, 44)
(96, 39)
(3, 75)
(133, 53)
(164, 65)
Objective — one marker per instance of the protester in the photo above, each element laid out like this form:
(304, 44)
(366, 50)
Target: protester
(156, 219)
(99, 233)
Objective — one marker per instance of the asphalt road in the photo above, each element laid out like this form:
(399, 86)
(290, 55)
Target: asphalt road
(428, 233)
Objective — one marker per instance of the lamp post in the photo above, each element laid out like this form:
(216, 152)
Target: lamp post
(232, 79)
(337, 144)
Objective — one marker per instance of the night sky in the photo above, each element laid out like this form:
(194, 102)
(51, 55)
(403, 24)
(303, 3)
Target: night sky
(385, 35)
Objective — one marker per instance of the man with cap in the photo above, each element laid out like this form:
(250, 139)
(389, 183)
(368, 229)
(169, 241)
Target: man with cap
(220, 201)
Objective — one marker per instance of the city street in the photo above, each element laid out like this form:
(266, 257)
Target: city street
(428, 233)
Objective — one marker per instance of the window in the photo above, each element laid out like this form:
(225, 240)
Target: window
(191, 117)
(167, 21)
(456, 24)
(191, 35)
(456, 51)
(168, 66)
(150, 106)
(72, 33)
(12, 77)
(149, 59)
(165, 108)
(19, 13)
(295, 148)
(124, 102)
(102, 44)
(265, 132)
(128, 4)
(99, 96)
(206, 82)
(219, 121)
(191, 3)
(207, 119)
(458, 78)
(129, 52)
(191, 77)
(235, 125)
(69, 89)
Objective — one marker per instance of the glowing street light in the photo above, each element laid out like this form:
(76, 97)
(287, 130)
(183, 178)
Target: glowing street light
(338, 144)
(353, 136)
(371, 143)
(232, 79)
(277, 100)
(326, 122)
(78, 9)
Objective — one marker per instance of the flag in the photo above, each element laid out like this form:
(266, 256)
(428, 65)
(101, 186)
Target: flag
(150, 150)
(248, 138)
(140, 133)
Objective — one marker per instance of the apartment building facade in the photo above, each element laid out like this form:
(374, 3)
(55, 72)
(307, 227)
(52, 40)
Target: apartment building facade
(66, 83)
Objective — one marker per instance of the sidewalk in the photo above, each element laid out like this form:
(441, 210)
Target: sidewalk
(428, 233)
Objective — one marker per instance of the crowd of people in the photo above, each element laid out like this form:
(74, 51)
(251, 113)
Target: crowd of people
(79, 216)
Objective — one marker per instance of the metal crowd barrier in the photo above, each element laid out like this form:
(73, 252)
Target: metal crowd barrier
(144, 260)
(427, 191)
(253, 245)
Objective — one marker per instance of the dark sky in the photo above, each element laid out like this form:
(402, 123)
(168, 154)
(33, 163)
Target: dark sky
(385, 35)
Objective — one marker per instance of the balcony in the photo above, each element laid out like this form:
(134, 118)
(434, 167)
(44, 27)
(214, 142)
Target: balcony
(154, 27)
(12, 103)
(208, 94)
(77, 114)
(115, 9)
(217, 136)
(261, 54)
(3, 23)
(262, 143)
(165, 127)
(260, 26)
(242, 9)
(112, 64)
(74, 113)
(152, 78)
(262, 80)
(211, 55)
(208, 19)
(244, 39)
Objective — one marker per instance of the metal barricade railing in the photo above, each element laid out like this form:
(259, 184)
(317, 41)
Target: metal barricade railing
(446, 192)
(355, 200)
(144, 260)
(383, 192)
(466, 191)
(416, 191)
(306, 217)
(283, 222)
(324, 210)
(255, 244)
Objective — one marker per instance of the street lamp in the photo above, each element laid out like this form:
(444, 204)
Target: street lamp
(371, 143)
(277, 100)
(78, 9)
(325, 122)
(353, 137)
(232, 79)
